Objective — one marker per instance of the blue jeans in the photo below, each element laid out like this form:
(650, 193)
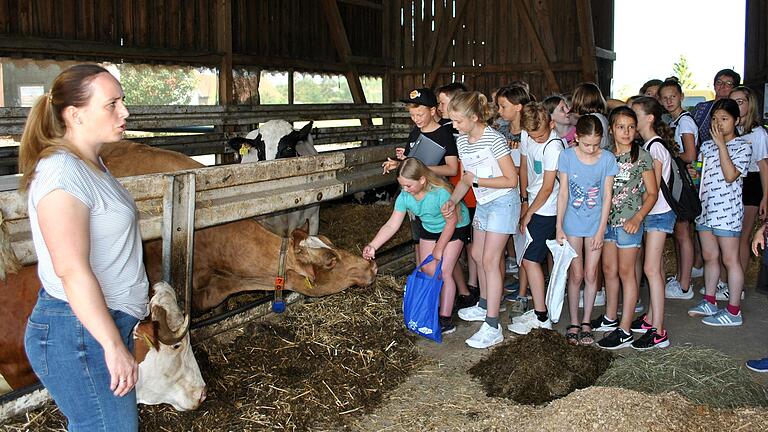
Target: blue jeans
(70, 364)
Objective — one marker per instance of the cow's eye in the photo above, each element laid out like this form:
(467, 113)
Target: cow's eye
(176, 346)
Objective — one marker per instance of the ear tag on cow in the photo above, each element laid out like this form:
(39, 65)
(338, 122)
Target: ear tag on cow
(244, 149)
(308, 283)
(278, 304)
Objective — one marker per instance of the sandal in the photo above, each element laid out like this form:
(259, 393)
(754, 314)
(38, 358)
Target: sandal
(586, 337)
(572, 338)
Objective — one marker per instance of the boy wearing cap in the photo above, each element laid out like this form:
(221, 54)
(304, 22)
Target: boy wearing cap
(422, 106)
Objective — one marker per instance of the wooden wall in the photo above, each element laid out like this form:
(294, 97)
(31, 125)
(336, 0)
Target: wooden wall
(756, 44)
(488, 43)
(552, 44)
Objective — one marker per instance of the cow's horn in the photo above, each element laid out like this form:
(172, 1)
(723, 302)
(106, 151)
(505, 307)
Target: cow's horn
(164, 333)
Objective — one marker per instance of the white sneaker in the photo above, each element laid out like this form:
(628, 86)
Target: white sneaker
(522, 328)
(599, 298)
(486, 337)
(472, 313)
(528, 316)
(673, 290)
(697, 272)
(510, 266)
(722, 292)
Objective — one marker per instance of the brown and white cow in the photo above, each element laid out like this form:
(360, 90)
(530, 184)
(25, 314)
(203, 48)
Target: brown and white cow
(168, 372)
(228, 258)
(243, 255)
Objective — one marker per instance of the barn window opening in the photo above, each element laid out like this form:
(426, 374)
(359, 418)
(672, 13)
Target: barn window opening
(273, 88)
(316, 89)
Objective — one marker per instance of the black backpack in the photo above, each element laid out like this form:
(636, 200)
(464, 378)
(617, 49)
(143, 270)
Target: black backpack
(679, 191)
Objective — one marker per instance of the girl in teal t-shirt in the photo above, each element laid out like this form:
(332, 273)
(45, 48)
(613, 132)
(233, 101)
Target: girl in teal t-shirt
(424, 193)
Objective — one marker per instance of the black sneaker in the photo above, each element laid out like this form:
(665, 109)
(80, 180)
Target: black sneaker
(464, 301)
(640, 325)
(446, 325)
(615, 340)
(603, 324)
(651, 339)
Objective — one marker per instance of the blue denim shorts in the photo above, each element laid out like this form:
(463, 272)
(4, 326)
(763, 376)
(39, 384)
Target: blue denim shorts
(664, 222)
(498, 216)
(718, 232)
(70, 364)
(622, 238)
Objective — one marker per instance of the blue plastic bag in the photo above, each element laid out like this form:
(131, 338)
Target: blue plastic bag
(421, 300)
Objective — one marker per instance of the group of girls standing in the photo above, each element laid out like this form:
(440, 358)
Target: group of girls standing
(598, 187)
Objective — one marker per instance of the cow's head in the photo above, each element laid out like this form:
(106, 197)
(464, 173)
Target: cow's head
(168, 371)
(328, 269)
(275, 139)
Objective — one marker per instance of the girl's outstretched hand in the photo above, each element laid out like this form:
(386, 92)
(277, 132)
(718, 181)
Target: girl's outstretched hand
(369, 252)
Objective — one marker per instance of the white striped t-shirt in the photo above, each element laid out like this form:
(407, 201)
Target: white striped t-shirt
(491, 139)
(115, 255)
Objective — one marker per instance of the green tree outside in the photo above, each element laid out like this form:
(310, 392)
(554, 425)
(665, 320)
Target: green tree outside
(157, 86)
(681, 70)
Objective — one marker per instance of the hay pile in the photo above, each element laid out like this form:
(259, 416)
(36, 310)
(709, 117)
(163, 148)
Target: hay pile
(352, 226)
(703, 375)
(314, 367)
(539, 367)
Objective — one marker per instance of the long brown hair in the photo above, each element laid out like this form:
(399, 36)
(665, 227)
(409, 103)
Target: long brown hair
(414, 169)
(652, 106)
(45, 128)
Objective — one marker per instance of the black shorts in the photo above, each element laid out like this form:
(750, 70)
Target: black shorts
(464, 234)
(541, 228)
(752, 192)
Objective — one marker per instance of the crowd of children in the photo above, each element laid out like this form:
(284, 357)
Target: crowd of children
(511, 174)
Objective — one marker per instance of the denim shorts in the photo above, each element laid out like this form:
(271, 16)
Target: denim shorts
(623, 239)
(70, 364)
(718, 232)
(664, 222)
(498, 216)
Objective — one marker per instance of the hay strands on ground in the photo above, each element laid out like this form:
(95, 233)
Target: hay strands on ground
(703, 375)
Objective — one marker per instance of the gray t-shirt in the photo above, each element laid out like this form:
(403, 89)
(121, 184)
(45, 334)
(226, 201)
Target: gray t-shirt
(116, 254)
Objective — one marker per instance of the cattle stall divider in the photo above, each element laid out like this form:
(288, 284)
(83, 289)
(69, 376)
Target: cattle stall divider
(179, 234)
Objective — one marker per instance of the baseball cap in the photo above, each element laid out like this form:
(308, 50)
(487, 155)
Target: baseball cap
(421, 96)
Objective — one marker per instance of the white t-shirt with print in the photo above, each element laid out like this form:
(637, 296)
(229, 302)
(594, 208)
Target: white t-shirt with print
(758, 139)
(660, 153)
(684, 124)
(721, 205)
(490, 140)
(542, 157)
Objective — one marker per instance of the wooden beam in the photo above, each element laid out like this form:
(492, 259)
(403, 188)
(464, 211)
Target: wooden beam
(272, 63)
(440, 23)
(587, 41)
(445, 42)
(496, 68)
(94, 51)
(341, 42)
(538, 47)
(364, 3)
(224, 46)
(605, 54)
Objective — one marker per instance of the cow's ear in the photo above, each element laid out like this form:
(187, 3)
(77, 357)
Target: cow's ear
(305, 131)
(299, 235)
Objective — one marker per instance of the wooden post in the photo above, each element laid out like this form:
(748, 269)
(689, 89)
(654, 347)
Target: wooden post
(445, 42)
(587, 41)
(224, 47)
(538, 47)
(179, 233)
(344, 50)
